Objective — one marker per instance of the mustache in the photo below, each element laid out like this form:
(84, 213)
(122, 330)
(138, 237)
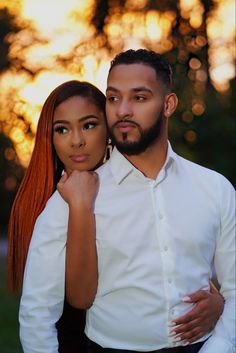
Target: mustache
(125, 121)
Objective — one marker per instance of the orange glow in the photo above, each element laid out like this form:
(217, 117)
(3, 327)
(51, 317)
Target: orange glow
(192, 10)
(221, 34)
(51, 50)
(190, 136)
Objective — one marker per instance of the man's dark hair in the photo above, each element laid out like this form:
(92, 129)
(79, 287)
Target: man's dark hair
(149, 58)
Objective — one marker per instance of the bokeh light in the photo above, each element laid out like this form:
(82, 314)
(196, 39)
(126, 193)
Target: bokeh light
(58, 42)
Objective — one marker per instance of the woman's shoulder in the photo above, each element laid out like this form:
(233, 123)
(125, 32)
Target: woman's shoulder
(56, 208)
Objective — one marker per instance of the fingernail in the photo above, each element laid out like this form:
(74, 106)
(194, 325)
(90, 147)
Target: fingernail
(177, 339)
(171, 323)
(186, 299)
(186, 343)
(172, 333)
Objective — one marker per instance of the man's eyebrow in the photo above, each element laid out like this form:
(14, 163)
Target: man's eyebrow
(135, 89)
(110, 88)
(142, 89)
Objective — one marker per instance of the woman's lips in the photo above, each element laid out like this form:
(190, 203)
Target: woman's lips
(79, 157)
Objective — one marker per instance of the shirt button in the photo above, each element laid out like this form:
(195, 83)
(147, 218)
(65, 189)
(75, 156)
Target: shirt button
(166, 248)
(160, 216)
(169, 280)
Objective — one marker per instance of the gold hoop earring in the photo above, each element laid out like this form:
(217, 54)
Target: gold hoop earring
(108, 151)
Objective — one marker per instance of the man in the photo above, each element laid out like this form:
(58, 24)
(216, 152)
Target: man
(161, 222)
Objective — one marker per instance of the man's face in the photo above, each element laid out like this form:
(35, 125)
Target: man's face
(134, 107)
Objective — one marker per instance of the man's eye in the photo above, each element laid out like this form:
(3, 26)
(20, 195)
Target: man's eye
(140, 98)
(112, 99)
(89, 125)
(61, 129)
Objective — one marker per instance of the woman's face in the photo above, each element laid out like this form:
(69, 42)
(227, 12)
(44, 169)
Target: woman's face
(79, 134)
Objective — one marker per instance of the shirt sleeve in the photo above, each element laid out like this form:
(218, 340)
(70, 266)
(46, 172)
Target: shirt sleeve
(42, 298)
(223, 337)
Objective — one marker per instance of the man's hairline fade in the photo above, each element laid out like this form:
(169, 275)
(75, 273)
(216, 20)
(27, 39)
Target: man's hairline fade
(149, 58)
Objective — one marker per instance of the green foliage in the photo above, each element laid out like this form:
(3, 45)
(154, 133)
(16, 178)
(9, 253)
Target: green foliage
(9, 328)
(10, 177)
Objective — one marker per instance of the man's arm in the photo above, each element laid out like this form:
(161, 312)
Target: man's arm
(43, 289)
(223, 337)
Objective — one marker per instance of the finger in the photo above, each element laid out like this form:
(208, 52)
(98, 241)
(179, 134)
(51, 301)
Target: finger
(196, 296)
(185, 328)
(189, 336)
(195, 314)
(63, 179)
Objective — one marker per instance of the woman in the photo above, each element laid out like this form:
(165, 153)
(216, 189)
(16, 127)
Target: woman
(72, 119)
(40, 182)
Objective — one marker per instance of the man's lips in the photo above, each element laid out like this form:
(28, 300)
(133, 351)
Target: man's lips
(125, 126)
(79, 157)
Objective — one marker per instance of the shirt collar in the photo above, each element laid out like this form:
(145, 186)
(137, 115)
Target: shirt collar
(120, 166)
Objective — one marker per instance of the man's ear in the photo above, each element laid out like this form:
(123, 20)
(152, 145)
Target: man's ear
(170, 105)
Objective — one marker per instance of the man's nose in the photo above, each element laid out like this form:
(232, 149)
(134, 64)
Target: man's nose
(124, 110)
(78, 139)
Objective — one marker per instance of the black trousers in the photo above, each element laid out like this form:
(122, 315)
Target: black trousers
(70, 331)
(192, 348)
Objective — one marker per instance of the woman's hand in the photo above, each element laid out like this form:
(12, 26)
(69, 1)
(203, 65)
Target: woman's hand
(201, 319)
(79, 188)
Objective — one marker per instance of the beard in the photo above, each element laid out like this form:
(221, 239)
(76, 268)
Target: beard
(147, 137)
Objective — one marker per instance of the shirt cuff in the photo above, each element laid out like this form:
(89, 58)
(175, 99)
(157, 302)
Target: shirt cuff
(217, 344)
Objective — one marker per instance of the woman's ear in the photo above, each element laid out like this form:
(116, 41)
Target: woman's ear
(171, 102)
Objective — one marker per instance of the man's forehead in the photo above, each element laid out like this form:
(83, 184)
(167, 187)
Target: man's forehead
(132, 77)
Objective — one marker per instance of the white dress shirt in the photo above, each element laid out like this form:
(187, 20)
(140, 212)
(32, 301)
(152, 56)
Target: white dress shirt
(42, 299)
(156, 243)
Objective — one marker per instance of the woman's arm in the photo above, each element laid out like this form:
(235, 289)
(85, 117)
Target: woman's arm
(202, 318)
(79, 191)
(42, 297)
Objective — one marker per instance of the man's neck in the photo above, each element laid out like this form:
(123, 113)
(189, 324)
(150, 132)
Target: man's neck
(152, 160)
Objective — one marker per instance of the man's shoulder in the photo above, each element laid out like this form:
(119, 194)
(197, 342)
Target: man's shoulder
(104, 171)
(204, 173)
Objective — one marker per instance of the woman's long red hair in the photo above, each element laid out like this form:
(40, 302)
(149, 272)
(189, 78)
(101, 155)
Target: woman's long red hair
(40, 179)
(35, 189)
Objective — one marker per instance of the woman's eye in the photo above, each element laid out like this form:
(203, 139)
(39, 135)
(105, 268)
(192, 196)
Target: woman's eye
(89, 125)
(61, 129)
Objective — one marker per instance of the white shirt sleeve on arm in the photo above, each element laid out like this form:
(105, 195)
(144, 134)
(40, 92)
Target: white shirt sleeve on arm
(223, 337)
(42, 298)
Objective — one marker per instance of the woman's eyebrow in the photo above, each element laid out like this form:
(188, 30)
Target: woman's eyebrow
(86, 117)
(83, 118)
(60, 122)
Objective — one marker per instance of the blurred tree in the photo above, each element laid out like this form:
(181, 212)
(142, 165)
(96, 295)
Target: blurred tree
(10, 177)
(7, 26)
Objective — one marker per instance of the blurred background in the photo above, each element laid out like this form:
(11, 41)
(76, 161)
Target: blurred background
(44, 43)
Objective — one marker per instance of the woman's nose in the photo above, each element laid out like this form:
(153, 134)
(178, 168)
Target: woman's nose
(78, 139)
